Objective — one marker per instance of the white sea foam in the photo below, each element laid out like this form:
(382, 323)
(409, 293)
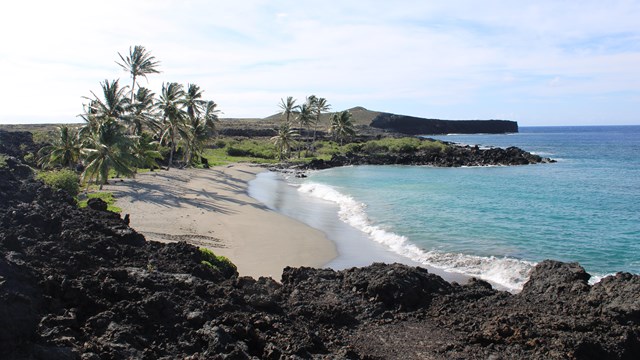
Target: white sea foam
(542, 153)
(507, 272)
(596, 278)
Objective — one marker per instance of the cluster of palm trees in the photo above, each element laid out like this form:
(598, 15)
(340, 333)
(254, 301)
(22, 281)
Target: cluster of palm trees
(307, 115)
(125, 126)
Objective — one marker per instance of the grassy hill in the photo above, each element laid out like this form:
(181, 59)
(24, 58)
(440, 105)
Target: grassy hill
(360, 116)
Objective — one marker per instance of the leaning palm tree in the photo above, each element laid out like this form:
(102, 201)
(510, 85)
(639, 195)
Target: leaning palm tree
(341, 126)
(107, 148)
(64, 149)
(173, 115)
(140, 62)
(288, 107)
(284, 140)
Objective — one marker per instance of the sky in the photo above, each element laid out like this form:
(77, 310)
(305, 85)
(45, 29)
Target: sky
(536, 62)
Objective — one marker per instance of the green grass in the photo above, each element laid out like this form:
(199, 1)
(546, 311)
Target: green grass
(229, 151)
(104, 196)
(3, 161)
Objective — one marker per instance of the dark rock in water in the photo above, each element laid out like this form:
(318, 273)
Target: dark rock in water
(454, 156)
(80, 283)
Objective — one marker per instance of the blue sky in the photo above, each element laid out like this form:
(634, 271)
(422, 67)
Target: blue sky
(536, 62)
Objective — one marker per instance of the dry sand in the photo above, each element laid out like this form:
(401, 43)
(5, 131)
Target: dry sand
(211, 208)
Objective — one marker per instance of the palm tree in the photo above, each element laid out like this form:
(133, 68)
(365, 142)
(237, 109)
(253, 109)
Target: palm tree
(288, 106)
(107, 148)
(210, 116)
(145, 151)
(194, 136)
(113, 104)
(64, 149)
(305, 119)
(143, 112)
(193, 100)
(173, 115)
(341, 126)
(284, 141)
(320, 106)
(138, 63)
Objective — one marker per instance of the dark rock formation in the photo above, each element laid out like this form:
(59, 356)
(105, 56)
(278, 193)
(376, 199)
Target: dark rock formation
(453, 156)
(16, 143)
(419, 126)
(81, 284)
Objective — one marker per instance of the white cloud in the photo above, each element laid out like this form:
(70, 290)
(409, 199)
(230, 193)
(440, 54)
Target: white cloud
(433, 59)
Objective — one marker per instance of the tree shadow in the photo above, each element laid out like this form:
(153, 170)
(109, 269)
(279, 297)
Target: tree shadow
(175, 196)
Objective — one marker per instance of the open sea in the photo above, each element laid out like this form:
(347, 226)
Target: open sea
(494, 223)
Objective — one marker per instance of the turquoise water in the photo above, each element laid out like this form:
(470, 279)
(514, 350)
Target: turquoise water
(497, 222)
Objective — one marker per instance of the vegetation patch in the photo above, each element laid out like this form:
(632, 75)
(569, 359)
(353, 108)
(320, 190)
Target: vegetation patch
(63, 179)
(251, 148)
(402, 145)
(244, 151)
(217, 262)
(104, 196)
(3, 161)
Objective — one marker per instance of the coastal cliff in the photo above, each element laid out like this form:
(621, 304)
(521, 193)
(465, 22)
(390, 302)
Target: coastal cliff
(81, 284)
(410, 125)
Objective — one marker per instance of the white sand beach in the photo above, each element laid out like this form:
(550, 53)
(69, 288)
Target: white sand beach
(211, 208)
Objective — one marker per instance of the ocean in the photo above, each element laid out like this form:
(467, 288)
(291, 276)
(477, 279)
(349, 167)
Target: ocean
(494, 223)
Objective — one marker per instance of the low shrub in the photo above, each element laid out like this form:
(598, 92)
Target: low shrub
(29, 158)
(217, 262)
(252, 148)
(402, 145)
(3, 161)
(64, 179)
(352, 148)
(374, 147)
(219, 143)
(327, 149)
(42, 136)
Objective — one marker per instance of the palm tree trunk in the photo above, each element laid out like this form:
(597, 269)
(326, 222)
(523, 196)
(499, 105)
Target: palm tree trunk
(173, 148)
(133, 85)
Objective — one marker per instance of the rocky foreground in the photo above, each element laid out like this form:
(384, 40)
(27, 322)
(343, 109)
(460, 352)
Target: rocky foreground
(81, 284)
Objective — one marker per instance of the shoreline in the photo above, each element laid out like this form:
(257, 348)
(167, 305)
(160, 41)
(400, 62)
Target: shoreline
(355, 248)
(214, 208)
(211, 208)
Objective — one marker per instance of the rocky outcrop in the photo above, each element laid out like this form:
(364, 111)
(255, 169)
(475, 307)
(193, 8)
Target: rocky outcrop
(81, 284)
(453, 156)
(17, 143)
(419, 126)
